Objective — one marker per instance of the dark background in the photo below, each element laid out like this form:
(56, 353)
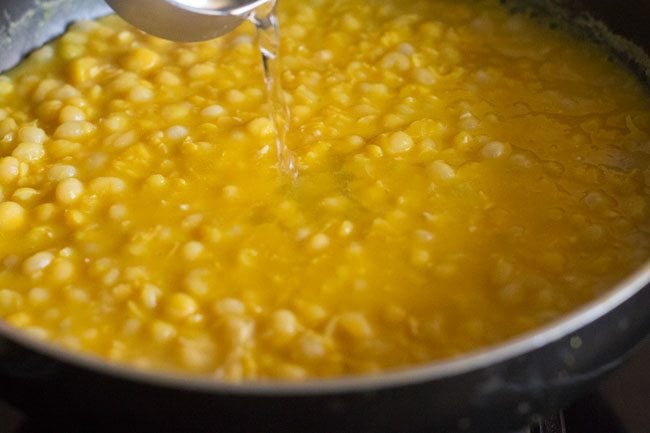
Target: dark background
(625, 394)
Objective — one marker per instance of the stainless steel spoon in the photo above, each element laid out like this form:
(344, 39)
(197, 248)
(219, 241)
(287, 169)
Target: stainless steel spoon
(186, 20)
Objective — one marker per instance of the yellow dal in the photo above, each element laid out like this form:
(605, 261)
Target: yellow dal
(465, 175)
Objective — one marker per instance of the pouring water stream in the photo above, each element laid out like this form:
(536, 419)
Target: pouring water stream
(268, 39)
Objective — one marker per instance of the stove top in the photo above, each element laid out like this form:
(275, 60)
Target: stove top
(620, 405)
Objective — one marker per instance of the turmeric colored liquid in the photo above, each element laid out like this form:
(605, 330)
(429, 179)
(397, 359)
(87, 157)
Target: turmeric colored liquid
(466, 175)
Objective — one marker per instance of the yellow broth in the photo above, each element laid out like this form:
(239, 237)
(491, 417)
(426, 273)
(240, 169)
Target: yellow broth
(465, 175)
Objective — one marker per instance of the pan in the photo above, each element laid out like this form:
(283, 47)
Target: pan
(498, 389)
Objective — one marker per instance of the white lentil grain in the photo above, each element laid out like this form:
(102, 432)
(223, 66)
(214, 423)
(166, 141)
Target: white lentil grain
(229, 306)
(29, 152)
(176, 132)
(69, 190)
(38, 296)
(494, 150)
(441, 171)
(59, 172)
(319, 242)
(31, 134)
(35, 264)
(192, 250)
(9, 169)
(398, 142)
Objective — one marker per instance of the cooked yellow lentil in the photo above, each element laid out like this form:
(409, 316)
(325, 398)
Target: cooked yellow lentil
(465, 175)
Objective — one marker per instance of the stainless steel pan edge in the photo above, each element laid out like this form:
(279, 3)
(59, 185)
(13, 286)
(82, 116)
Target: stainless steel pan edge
(496, 389)
(634, 291)
(27, 24)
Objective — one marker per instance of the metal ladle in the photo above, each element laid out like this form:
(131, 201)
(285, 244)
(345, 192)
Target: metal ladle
(186, 20)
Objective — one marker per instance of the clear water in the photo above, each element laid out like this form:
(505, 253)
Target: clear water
(268, 38)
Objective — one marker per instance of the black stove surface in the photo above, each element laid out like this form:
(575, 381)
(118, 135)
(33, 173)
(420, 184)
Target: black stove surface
(621, 405)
